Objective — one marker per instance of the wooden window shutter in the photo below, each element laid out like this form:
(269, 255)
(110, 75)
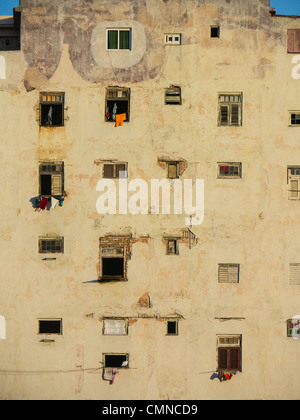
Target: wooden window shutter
(172, 170)
(108, 171)
(293, 40)
(56, 184)
(222, 358)
(235, 114)
(234, 358)
(294, 274)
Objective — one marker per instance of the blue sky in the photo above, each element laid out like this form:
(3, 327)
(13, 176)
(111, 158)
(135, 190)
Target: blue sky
(283, 7)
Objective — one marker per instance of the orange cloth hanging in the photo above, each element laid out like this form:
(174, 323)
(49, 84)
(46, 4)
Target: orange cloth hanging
(120, 118)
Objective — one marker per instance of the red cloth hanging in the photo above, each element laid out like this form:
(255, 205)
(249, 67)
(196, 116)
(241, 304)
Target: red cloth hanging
(43, 203)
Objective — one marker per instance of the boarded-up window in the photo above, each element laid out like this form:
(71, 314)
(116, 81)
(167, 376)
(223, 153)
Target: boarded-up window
(114, 326)
(228, 273)
(230, 109)
(293, 41)
(293, 183)
(51, 179)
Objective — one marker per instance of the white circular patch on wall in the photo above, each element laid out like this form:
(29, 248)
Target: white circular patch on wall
(105, 57)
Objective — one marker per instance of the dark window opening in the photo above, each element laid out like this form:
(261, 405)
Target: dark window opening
(115, 360)
(46, 185)
(113, 267)
(118, 39)
(50, 326)
(117, 103)
(215, 32)
(172, 327)
(173, 95)
(10, 43)
(172, 247)
(51, 109)
(295, 119)
(118, 170)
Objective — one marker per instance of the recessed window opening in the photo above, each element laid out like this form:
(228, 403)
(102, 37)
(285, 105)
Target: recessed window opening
(115, 360)
(113, 267)
(50, 326)
(51, 109)
(215, 31)
(117, 103)
(172, 327)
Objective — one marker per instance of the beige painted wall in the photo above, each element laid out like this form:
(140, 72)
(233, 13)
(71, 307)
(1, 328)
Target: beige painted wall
(249, 221)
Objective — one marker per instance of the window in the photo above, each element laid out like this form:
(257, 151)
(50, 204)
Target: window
(229, 170)
(114, 254)
(230, 109)
(173, 95)
(228, 273)
(51, 179)
(50, 326)
(294, 275)
(115, 170)
(172, 327)
(9, 43)
(229, 353)
(51, 109)
(293, 183)
(115, 326)
(116, 360)
(117, 103)
(50, 245)
(173, 170)
(293, 327)
(294, 118)
(119, 39)
(172, 247)
(172, 39)
(215, 31)
(293, 41)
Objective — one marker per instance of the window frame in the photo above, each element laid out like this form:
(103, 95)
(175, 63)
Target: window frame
(119, 29)
(113, 255)
(175, 321)
(218, 31)
(290, 178)
(42, 239)
(59, 176)
(124, 320)
(229, 105)
(173, 93)
(176, 247)
(290, 118)
(115, 172)
(49, 320)
(236, 344)
(55, 102)
(229, 164)
(118, 98)
(172, 42)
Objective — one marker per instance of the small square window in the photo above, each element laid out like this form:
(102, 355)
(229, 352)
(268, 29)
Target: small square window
(172, 327)
(52, 109)
(119, 39)
(294, 183)
(215, 31)
(173, 170)
(115, 326)
(228, 273)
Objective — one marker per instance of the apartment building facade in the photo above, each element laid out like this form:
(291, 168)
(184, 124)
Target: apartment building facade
(143, 304)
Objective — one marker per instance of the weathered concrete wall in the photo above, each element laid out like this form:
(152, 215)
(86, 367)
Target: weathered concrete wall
(249, 221)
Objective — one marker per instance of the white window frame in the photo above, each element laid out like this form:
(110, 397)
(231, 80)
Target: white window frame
(239, 164)
(119, 29)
